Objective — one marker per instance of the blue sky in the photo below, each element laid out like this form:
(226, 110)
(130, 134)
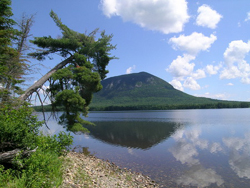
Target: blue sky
(201, 47)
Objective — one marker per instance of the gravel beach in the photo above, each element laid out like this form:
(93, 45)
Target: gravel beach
(88, 171)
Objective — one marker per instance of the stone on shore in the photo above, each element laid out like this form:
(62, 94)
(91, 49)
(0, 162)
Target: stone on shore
(88, 171)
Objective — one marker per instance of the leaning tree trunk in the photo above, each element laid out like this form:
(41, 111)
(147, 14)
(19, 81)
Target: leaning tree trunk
(42, 80)
(8, 156)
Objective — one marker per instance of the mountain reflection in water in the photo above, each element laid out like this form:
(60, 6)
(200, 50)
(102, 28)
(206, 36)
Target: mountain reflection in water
(133, 134)
(177, 148)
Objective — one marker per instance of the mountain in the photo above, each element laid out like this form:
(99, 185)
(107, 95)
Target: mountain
(146, 91)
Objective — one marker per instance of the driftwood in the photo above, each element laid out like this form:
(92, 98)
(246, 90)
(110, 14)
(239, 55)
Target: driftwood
(8, 156)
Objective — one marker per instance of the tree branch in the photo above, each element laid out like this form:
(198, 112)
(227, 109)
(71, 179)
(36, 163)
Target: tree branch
(37, 92)
(42, 80)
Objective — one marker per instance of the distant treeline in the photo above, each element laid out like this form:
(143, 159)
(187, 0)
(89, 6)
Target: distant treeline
(217, 105)
(172, 107)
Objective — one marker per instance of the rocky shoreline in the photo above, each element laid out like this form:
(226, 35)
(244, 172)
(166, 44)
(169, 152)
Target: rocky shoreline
(82, 170)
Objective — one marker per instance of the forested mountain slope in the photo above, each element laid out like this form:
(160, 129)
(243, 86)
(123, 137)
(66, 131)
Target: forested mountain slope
(146, 91)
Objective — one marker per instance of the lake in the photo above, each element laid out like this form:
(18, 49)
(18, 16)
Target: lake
(176, 148)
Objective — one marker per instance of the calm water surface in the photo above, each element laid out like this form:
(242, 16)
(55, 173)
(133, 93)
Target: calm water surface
(177, 148)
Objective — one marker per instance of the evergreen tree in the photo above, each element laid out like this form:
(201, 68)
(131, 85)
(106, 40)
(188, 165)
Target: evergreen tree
(8, 55)
(74, 80)
(13, 44)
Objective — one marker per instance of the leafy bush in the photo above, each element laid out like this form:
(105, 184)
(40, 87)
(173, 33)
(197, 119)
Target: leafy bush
(18, 126)
(42, 169)
(20, 129)
(55, 144)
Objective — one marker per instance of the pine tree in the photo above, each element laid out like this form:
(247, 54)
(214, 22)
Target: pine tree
(13, 65)
(74, 80)
(8, 55)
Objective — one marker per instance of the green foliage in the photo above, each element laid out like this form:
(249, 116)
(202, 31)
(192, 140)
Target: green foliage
(6, 23)
(13, 42)
(71, 100)
(42, 168)
(18, 127)
(73, 122)
(73, 85)
(8, 55)
(54, 144)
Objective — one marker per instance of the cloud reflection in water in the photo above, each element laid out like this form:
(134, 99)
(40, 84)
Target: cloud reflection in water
(186, 151)
(239, 159)
(200, 176)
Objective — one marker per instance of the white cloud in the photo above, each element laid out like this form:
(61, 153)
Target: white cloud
(179, 134)
(248, 17)
(183, 70)
(193, 137)
(230, 84)
(199, 176)
(230, 73)
(235, 143)
(239, 158)
(236, 66)
(198, 74)
(221, 96)
(215, 147)
(160, 15)
(181, 67)
(245, 80)
(130, 69)
(191, 83)
(240, 164)
(131, 151)
(236, 52)
(208, 17)
(193, 43)
(177, 84)
(211, 69)
(185, 152)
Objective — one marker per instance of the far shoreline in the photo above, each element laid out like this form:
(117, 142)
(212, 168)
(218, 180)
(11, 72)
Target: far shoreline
(48, 108)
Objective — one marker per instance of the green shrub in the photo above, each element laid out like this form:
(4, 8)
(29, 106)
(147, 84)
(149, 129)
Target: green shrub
(18, 126)
(43, 168)
(56, 143)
